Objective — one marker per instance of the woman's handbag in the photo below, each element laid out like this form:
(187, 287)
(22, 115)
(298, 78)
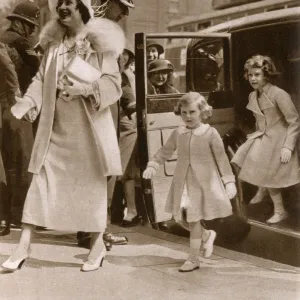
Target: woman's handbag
(80, 71)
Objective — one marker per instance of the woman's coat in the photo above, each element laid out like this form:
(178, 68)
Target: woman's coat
(43, 91)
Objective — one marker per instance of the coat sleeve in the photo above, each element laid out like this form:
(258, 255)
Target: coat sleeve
(221, 158)
(288, 109)
(107, 89)
(165, 152)
(33, 98)
(28, 54)
(9, 72)
(127, 101)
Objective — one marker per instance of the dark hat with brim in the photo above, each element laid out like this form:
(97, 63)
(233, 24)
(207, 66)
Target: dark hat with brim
(160, 65)
(131, 54)
(159, 47)
(27, 11)
(128, 3)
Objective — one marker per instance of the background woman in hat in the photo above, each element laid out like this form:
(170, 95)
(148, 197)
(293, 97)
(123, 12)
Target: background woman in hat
(154, 50)
(76, 145)
(114, 10)
(159, 73)
(128, 138)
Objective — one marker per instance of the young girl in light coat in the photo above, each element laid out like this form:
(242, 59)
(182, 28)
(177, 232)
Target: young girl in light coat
(203, 181)
(268, 158)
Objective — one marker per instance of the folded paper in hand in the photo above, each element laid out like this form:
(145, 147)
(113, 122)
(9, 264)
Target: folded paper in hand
(80, 71)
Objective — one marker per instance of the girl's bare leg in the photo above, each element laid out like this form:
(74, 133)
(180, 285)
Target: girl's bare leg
(129, 190)
(192, 263)
(279, 212)
(261, 193)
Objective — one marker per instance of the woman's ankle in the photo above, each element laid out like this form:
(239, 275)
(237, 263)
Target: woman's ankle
(130, 215)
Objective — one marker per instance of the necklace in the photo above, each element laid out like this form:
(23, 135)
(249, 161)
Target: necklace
(80, 46)
(70, 45)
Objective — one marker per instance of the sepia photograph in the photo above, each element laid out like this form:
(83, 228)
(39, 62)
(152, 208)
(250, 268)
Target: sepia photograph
(149, 149)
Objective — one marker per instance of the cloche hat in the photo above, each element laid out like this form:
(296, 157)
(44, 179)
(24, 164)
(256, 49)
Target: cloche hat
(159, 65)
(128, 3)
(158, 46)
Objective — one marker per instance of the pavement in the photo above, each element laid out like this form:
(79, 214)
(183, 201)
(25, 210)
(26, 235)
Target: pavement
(145, 268)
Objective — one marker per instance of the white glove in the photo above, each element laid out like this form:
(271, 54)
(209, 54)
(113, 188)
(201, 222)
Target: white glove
(285, 155)
(21, 107)
(230, 190)
(149, 173)
(31, 115)
(74, 88)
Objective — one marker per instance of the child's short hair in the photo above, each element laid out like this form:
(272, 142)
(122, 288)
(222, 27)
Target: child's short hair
(265, 63)
(205, 109)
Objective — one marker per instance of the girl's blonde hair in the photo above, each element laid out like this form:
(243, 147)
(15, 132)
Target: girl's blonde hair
(265, 63)
(205, 109)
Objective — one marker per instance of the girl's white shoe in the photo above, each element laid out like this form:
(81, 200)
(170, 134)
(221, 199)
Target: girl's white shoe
(208, 246)
(189, 266)
(192, 263)
(93, 266)
(277, 217)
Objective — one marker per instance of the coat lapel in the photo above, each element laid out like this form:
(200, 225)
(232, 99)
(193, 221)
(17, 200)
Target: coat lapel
(253, 104)
(266, 102)
(47, 113)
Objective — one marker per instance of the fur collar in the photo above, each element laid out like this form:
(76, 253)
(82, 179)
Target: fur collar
(103, 34)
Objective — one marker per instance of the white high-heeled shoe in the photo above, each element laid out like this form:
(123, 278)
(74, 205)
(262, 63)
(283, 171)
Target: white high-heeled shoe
(12, 266)
(93, 266)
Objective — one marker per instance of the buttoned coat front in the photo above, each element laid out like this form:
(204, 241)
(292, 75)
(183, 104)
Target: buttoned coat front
(277, 127)
(203, 167)
(44, 86)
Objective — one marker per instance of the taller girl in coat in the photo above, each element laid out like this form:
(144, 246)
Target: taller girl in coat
(76, 145)
(268, 158)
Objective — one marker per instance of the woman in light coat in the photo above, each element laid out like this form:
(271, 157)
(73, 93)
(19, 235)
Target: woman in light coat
(268, 159)
(76, 144)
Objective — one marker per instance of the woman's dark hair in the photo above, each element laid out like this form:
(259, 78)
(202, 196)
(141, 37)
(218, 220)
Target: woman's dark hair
(83, 10)
(265, 63)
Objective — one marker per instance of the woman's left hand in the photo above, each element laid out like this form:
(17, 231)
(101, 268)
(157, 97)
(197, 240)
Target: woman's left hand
(230, 190)
(285, 155)
(75, 90)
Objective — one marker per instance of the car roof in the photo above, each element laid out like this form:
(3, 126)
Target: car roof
(258, 20)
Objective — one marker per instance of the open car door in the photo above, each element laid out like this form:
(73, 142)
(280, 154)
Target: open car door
(201, 63)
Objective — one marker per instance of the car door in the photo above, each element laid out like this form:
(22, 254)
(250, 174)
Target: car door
(201, 62)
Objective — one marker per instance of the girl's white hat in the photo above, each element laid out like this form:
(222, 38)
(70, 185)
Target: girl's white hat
(53, 4)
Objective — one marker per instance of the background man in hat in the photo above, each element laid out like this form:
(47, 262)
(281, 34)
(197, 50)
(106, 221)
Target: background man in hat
(17, 134)
(114, 10)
